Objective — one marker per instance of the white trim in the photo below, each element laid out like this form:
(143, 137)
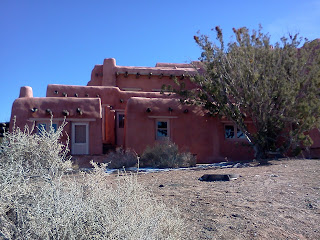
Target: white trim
(168, 128)
(86, 144)
(163, 117)
(61, 119)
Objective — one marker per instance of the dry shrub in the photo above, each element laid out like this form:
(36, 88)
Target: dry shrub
(40, 200)
(165, 154)
(121, 158)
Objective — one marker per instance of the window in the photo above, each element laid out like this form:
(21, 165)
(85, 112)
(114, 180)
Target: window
(162, 129)
(121, 120)
(46, 127)
(231, 132)
(240, 134)
(41, 128)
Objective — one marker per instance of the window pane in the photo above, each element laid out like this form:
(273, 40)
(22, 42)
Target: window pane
(229, 131)
(54, 127)
(240, 134)
(80, 133)
(162, 124)
(121, 120)
(162, 133)
(162, 130)
(41, 127)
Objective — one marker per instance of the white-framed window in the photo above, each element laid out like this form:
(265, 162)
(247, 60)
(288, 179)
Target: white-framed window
(162, 129)
(232, 132)
(45, 126)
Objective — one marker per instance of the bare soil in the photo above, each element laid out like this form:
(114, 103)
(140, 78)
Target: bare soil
(278, 201)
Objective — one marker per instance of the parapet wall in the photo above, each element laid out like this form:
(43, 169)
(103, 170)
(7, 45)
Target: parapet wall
(141, 78)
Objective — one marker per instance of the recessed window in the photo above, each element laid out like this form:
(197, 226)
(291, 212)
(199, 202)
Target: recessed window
(121, 120)
(231, 132)
(162, 129)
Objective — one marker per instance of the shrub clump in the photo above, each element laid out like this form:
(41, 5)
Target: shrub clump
(121, 158)
(40, 200)
(165, 154)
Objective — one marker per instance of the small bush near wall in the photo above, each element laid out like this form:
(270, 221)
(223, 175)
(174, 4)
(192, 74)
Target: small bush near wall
(121, 158)
(165, 154)
(40, 200)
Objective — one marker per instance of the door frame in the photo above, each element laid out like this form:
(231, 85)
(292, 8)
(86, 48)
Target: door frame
(75, 145)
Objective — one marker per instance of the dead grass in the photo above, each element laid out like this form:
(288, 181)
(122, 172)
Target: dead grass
(40, 200)
(280, 201)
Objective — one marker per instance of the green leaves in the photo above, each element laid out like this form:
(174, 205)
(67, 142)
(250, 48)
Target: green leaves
(276, 86)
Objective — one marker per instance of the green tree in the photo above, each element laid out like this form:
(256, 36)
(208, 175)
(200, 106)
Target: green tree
(275, 86)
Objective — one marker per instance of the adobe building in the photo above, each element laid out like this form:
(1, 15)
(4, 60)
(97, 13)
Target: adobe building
(123, 106)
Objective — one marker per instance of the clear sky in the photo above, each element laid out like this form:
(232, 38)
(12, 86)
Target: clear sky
(58, 42)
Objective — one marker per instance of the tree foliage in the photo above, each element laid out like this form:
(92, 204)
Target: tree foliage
(274, 86)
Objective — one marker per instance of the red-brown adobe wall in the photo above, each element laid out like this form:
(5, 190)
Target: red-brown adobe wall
(110, 124)
(234, 149)
(95, 137)
(315, 135)
(152, 84)
(112, 96)
(193, 131)
(314, 150)
(146, 79)
(91, 112)
(96, 76)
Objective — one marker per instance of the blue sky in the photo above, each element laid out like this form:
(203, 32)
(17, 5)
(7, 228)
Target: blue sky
(58, 42)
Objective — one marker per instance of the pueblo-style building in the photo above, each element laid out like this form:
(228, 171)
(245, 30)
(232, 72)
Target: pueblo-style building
(123, 106)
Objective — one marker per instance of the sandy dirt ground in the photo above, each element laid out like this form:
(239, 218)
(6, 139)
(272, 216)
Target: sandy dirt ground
(279, 201)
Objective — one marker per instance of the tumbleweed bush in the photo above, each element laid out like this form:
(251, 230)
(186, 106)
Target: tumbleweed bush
(40, 199)
(121, 158)
(165, 154)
